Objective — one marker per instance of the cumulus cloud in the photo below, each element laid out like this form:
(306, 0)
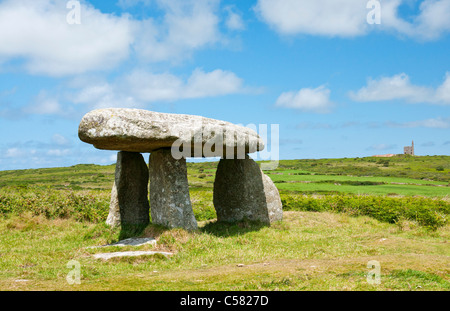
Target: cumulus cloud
(187, 25)
(142, 87)
(44, 103)
(435, 123)
(135, 89)
(60, 140)
(150, 87)
(234, 19)
(318, 17)
(399, 87)
(307, 99)
(14, 153)
(434, 19)
(38, 34)
(348, 18)
(55, 150)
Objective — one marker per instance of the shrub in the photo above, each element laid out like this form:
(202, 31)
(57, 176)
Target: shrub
(426, 212)
(90, 206)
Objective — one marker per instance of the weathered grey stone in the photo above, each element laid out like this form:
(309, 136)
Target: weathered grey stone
(137, 130)
(135, 242)
(114, 210)
(169, 191)
(243, 191)
(273, 200)
(106, 256)
(130, 191)
(129, 242)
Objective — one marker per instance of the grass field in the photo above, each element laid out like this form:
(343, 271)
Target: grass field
(307, 251)
(334, 224)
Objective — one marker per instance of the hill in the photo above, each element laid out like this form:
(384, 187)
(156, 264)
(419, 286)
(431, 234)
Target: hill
(430, 172)
(339, 216)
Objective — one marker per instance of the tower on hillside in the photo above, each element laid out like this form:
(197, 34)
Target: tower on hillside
(409, 149)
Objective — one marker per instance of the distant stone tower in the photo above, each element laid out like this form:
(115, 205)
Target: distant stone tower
(409, 149)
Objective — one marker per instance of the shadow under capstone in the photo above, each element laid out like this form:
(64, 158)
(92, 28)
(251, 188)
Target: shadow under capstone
(227, 229)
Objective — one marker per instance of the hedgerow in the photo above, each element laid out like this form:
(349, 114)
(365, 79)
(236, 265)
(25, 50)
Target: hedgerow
(93, 206)
(90, 206)
(427, 212)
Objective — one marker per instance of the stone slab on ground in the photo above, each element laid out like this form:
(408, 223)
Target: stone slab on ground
(107, 256)
(135, 242)
(130, 242)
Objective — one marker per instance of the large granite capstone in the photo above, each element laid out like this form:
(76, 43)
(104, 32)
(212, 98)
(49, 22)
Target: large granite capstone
(137, 130)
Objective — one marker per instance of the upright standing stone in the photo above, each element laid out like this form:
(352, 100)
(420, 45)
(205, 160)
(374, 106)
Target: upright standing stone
(130, 191)
(114, 209)
(169, 191)
(243, 191)
(273, 200)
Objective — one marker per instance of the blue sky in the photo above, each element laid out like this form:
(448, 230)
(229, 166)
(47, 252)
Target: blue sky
(338, 82)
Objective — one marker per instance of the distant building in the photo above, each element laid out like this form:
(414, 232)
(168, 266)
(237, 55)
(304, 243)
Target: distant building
(409, 149)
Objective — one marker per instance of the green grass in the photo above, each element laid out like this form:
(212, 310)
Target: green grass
(307, 251)
(77, 177)
(406, 176)
(296, 175)
(383, 189)
(430, 213)
(395, 214)
(418, 167)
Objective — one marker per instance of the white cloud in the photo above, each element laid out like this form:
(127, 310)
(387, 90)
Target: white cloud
(44, 104)
(348, 18)
(435, 123)
(307, 99)
(434, 19)
(14, 153)
(60, 140)
(150, 87)
(112, 158)
(38, 33)
(388, 88)
(141, 87)
(443, 91)
(430, 23)
(103, 95)
(214, 83)
(58, 152)
(187, 25)
(234, 19)
(133, 90)
(318, 17)
(399, 87)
